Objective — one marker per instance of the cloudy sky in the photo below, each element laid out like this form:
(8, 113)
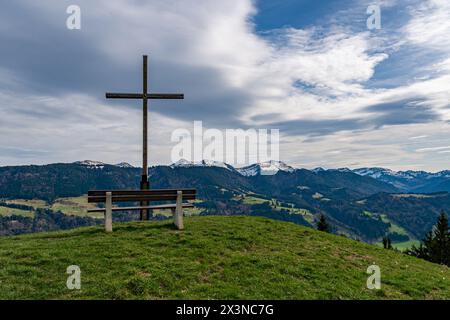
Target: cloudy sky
(342, 95)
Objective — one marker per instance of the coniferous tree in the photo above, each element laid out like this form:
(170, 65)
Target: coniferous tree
(435, 247)
(387, 244)
(441, 241)
(323, 224)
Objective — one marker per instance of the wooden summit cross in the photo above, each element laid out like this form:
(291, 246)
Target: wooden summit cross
(145, 96)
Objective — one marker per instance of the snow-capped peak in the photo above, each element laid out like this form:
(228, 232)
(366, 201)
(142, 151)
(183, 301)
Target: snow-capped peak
(375, 172)
(124, 165)
(182, 163)
(265, 168)
(203, 163)
(100, 165)
(443, 174)
(344, 170)
(90, 163)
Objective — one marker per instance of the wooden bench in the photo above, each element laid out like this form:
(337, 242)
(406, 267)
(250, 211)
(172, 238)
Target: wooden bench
(108, 197)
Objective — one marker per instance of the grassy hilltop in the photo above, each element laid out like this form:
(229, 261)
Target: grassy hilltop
(214, 258)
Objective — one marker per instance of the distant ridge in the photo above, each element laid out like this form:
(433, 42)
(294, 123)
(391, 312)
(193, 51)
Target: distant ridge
(90, 163)
(124, 165)
(100, 165)
(263, 168)
(358, 205)
(409, 181)
(204, 163)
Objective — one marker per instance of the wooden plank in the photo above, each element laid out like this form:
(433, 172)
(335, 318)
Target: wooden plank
(141, 192)
(108, 212)
(96, 199)
(154, 207)
(178, 216)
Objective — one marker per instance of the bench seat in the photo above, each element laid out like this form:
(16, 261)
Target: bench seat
(155, 207)
(108, 197)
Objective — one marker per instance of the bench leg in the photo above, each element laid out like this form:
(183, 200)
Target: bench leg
(108, 212)
(178, 216)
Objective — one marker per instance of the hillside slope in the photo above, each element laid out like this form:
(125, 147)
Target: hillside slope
(214, 258)
(52, 181)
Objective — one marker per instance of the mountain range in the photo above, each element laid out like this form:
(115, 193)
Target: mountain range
(403, 181)
(365, 204)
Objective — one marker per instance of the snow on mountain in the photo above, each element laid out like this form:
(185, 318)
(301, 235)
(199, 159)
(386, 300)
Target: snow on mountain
(265, 168)
(410, 180)
(124, 165)
(203, 163)
(251, 170)
(100, 165)
(379, 173)
(344, 170)
(376, 173)
(91, 164)
(443, 174)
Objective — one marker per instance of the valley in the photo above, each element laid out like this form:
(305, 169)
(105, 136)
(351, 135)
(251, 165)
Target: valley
(358, 206)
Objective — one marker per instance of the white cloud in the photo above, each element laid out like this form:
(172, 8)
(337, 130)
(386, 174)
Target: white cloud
(432, 149)
(430, 24)
(210, 48)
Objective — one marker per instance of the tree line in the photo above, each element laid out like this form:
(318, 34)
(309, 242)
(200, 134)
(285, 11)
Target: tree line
(435, 247)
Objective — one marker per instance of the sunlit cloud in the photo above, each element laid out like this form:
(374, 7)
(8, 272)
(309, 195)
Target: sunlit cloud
(313, 82)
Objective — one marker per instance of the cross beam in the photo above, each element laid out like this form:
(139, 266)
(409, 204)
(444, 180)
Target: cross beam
(142, 96)
(145, 96)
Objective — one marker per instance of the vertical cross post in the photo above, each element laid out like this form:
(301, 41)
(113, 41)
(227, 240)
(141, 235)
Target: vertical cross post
(144, 179)
(145, 95)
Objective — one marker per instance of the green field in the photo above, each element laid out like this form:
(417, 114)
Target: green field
(35, 203)
(213, 258)
(253, 199)
(7, 212)
(77, 206)
(402, 246)
(394, 227)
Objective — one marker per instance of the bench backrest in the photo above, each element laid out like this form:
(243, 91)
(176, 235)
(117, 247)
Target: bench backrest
(98, 196)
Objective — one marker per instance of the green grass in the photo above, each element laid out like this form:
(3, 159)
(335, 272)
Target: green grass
(213, 258)
(7, 212)
(35, 203)
(253, 200)
(394, 228)
(402, 246)
(307, 215)
(367, 214)
(76, 206)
